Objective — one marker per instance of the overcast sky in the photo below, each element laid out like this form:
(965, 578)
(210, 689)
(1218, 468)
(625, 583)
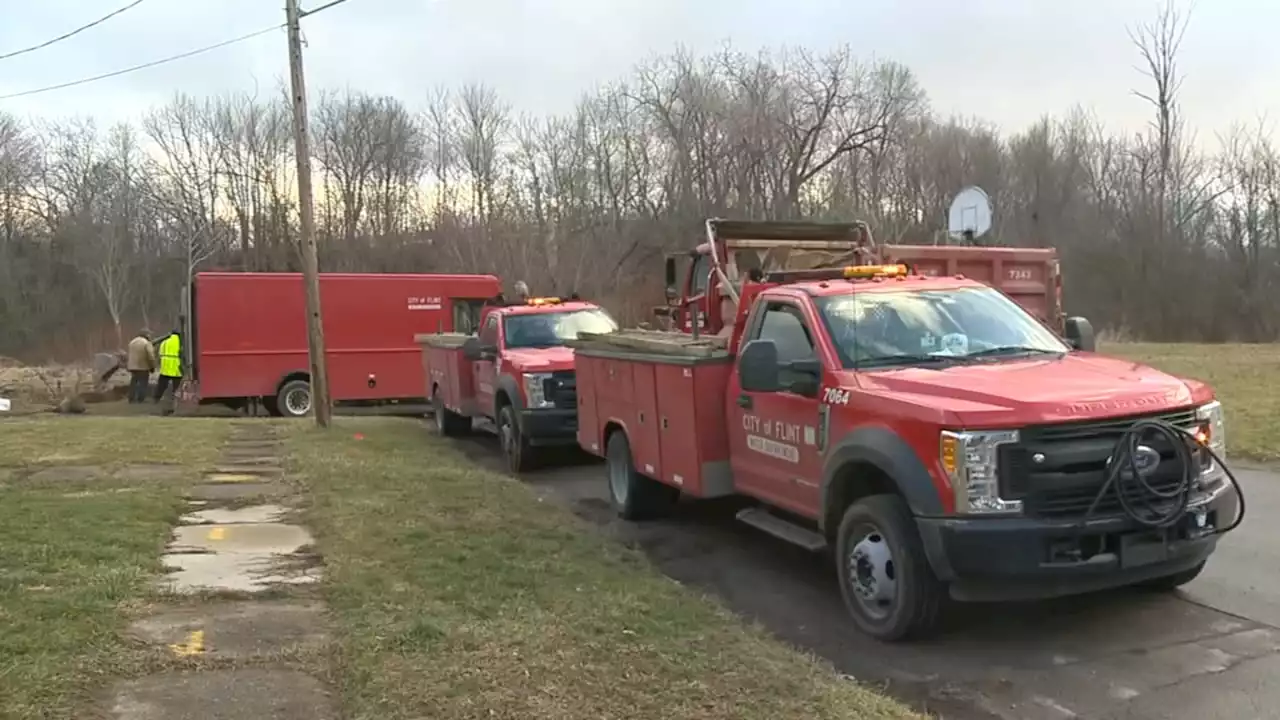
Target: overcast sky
(1009, 61)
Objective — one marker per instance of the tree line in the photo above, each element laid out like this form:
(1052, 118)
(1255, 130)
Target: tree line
(99, 227)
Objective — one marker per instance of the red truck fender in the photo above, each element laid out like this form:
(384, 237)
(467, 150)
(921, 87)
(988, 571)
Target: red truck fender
(873, 460)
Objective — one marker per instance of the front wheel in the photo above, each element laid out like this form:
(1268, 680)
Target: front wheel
(888, 587)
(515, 448)
(294, 399)
(634, 496)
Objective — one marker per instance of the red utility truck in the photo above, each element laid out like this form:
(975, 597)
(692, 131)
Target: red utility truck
(735, 249)
(516, 375)
(246, 335)
(937, 438)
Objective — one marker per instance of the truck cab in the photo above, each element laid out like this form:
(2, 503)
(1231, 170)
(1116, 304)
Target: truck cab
(515, 376)
(937, 438)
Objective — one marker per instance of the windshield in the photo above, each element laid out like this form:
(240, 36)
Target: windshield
(887, 329)
(541, 330)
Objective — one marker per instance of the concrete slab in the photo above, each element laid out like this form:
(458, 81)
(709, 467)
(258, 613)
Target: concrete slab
(249, 538)
(232, 468)
(66, 474)
(239, 516)
(215, 492)
(257, 459)
(147, 473)
(192, 573)
(236, 630)
(222, 695)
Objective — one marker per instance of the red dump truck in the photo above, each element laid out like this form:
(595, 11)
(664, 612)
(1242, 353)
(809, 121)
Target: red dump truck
(515, 377)
(246, 335)
(937, 438)
(735, 249)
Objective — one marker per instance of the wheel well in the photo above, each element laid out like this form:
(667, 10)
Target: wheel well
(852, 482)
(610, 428)
(297, 375)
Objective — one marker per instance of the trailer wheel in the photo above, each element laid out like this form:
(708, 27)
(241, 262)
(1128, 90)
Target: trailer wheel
(294, 399)
(885, 578)
(515, 448)
(448, 422)
(634, 496)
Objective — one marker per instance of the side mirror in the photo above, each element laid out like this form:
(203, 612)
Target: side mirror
(672, 292)
(1080, 334)
(807, 377)
(471, 348)
(758, 367)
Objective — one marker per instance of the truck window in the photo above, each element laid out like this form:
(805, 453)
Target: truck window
(552, 329)
(489, 333)
(466, 315)
(701, 273)
(881, 329)
(784, 325)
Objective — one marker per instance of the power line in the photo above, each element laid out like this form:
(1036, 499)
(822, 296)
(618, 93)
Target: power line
(143, 66)
(77, 31)
(326, 6)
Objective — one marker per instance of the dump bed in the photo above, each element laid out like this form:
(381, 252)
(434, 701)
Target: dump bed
(443, 364)
(1029, 276)
(678, 435)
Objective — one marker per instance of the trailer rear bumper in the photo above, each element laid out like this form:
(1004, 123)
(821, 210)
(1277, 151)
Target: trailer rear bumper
(550, 427)
(1007, 559)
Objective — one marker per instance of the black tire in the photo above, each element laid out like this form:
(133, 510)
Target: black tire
(448, 422)
(289, 400)
(1169, 583)
(519, 455)
(915, 610)
(634, 496)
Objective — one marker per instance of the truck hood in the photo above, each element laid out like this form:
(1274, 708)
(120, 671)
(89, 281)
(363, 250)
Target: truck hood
(1039, 390)
(540, 359)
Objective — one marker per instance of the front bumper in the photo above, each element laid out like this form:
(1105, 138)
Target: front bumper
(998, 559)
(549, 427)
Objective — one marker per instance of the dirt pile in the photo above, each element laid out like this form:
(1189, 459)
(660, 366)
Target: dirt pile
(56, 386)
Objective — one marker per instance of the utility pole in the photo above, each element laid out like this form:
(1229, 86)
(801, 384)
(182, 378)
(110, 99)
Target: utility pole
(320, 403)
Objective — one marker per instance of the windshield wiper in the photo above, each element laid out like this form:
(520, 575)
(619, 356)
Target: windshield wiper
(1012, 350)
(892, 360)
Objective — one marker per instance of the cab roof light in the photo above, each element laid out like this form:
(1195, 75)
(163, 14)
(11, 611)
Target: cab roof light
(853, 272)
(544, 301)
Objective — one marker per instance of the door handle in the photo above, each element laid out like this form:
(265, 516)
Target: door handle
(744, 401)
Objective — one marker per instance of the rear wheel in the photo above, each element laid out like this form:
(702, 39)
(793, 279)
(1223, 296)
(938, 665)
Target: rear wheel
(448, 422)
(294, 399)
(888, 587)
(515, 448)
(634, 496)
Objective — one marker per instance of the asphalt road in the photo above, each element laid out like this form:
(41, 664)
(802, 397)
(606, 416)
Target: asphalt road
(1210, 651)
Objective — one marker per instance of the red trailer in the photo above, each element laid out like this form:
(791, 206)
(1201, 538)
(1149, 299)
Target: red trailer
(246, 335)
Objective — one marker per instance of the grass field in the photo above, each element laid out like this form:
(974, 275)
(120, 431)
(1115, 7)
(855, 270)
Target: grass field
(78, 545)
(1244, 376)
(459, 595)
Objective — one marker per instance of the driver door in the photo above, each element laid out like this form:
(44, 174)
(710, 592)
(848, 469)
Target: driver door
(774, 450)
(485, 371)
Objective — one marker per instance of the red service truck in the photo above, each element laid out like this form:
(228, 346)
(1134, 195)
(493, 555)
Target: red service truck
(246, 335)
(515, 377)
(937, 438)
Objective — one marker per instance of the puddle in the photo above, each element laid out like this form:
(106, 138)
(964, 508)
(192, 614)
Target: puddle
(249, 557)
(251, 538)
(246, 515)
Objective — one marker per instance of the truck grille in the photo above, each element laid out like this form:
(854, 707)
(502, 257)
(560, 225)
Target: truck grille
(562, 389)
(1074, 468)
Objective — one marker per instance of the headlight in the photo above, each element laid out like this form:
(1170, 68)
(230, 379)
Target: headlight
(1212, 428)
(971, 461)
(535, 390)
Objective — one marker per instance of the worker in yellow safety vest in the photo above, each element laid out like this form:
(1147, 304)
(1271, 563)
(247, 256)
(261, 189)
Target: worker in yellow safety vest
(170, 352)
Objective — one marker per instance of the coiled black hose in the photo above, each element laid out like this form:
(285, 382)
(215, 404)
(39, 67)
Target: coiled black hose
(1159, 507)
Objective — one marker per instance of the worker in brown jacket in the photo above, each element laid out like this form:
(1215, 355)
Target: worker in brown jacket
(140, 363)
